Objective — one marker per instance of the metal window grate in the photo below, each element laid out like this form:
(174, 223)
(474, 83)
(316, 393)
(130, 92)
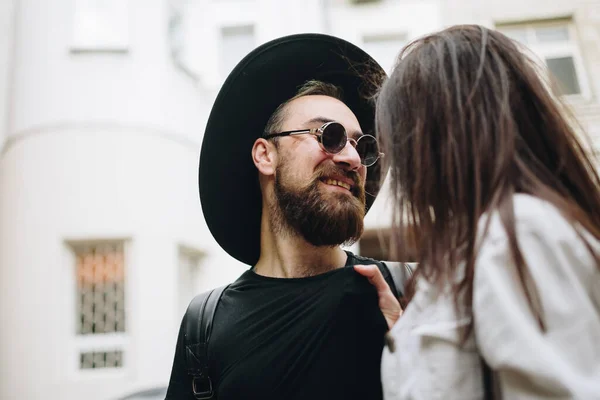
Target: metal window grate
(101, 359)
(100, 274)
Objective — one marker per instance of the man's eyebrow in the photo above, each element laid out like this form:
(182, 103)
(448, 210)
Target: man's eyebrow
(324, 120)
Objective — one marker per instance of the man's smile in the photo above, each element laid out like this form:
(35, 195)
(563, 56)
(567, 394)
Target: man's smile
(343, 183)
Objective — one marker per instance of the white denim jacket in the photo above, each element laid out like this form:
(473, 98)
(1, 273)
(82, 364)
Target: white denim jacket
(563, 363)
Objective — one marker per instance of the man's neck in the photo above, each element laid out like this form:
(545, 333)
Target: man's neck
(288, 255)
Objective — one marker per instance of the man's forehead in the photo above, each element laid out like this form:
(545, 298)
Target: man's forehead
(309, 111)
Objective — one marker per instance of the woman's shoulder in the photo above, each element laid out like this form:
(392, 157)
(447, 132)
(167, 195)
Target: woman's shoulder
(552, 246)
(533, 216)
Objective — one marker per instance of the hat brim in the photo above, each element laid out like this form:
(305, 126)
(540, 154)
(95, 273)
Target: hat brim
(268, 76)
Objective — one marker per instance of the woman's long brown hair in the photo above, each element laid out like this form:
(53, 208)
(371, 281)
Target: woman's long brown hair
(466, 123)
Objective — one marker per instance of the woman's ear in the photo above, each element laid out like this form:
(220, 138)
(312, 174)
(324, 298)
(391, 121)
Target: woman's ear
(264, 155)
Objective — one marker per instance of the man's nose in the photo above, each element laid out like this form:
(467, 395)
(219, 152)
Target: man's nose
(349, 157)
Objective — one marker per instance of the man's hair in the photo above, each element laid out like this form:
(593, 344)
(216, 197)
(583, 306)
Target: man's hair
(309, 88)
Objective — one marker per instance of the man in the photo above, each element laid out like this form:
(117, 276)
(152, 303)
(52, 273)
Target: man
(288, 169)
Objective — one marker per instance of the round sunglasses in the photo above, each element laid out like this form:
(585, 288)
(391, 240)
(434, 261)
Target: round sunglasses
(332, 137)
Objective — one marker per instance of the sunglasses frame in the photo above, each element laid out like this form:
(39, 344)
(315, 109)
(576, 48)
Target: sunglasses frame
(318, 133)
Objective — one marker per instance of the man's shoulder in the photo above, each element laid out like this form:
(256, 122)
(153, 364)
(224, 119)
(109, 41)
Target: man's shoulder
(355, 259)
(395, 279)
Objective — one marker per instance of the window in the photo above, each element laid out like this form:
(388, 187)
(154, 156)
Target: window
(236, 43)
(189, 276)
(555, 43)
(100, 304)
(100, 25)
(384, 48)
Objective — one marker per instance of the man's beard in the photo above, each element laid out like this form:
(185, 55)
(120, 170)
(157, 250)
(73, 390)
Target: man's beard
(322, 218)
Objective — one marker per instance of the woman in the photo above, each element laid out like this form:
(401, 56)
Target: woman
(495, 190)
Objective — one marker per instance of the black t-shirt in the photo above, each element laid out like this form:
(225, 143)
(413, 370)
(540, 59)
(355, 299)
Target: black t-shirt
(319, 337)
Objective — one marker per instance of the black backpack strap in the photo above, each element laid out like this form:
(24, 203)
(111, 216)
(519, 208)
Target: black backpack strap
(198, 326)
(401, 273)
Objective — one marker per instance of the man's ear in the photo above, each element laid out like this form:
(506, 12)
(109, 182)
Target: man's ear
(264, 155)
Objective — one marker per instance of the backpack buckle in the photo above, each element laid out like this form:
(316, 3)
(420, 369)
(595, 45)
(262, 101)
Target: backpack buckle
(203, 390)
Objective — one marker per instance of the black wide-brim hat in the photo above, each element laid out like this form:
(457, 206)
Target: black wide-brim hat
(265, 78)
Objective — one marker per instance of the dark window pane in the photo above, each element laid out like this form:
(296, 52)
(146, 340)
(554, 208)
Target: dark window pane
(563, 71)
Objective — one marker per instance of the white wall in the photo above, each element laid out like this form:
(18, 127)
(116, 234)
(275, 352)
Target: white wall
(103, 146)
(270, 18)
(139, 88)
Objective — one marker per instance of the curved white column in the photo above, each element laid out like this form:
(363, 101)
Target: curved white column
(101, 146)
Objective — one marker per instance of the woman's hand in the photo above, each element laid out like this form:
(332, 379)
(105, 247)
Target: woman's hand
(388, 304)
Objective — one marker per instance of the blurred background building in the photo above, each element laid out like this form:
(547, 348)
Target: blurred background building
(103, 104)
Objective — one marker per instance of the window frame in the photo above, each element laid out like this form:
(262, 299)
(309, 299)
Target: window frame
(114, 341)
(542, 51)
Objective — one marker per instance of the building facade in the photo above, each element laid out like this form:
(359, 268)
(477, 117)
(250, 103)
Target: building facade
(102, 238)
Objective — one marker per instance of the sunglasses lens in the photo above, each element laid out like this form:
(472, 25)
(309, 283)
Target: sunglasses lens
(368, 149)
(334, 138)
